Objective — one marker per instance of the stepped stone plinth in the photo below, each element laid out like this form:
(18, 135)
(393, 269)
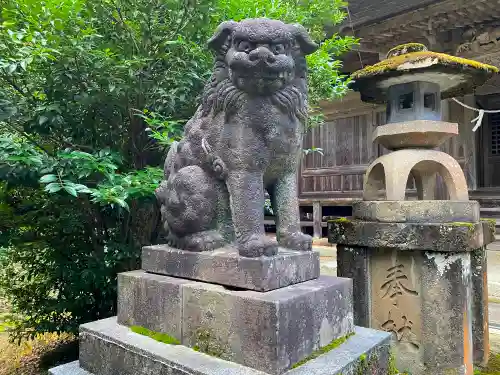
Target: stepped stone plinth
(230, 329)
(418, 267)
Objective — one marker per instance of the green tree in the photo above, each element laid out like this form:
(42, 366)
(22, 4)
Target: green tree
(92, 94)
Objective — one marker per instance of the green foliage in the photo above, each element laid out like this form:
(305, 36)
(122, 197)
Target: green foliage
(161, 337)
(493, 367)
(92, 95)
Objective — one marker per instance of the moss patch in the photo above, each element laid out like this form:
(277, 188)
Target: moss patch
(340, 220)
(492, 225)
(469, 226)
(161, 337)
(493, 367)
(403, 49)
(205, 342)
(325, 349)
(393, 63)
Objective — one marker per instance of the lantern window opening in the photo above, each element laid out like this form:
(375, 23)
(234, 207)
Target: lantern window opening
(406, 101)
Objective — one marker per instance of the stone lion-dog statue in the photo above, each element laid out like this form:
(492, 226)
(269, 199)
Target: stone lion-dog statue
(244, 138)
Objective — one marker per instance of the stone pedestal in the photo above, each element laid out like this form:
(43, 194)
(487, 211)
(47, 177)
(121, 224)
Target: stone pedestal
(231, 315)
(419, 272)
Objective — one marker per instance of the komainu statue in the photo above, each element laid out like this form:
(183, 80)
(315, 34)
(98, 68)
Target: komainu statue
(244, 139)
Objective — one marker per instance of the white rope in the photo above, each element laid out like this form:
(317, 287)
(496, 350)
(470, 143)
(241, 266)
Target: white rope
(479, 119)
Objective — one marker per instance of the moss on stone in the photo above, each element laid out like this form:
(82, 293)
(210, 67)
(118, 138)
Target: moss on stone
(492, 224)
(340, 220)
(406, 48)
(493, 367)
(325, 349)
(393, 63)
(161, 337)
(392, 369)
(469, 226)
(206, 342)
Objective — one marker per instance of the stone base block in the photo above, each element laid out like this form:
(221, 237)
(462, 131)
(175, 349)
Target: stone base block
(417, 211)
(442, 237)
(107, 348)
(423, 298)
(269, 331)
(226, 267)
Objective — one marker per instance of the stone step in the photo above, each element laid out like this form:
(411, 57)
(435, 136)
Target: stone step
(107, 348)
(267, 331)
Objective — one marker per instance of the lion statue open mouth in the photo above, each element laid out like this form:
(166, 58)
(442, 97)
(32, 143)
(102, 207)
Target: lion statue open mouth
(245, 138)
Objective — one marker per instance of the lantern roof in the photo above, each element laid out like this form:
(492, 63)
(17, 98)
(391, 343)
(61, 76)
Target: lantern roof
(414, 62)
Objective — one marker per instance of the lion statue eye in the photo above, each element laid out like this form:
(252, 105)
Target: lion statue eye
(244, 46)
(278, 48)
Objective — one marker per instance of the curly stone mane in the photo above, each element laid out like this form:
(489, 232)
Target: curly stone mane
(221, 95)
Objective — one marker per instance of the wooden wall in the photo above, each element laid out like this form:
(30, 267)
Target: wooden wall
(346, 140)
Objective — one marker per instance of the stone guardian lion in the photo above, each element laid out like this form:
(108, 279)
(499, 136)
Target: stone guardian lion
(245, 138)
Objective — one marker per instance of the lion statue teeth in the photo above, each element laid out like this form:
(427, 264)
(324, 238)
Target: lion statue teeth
(244, 139)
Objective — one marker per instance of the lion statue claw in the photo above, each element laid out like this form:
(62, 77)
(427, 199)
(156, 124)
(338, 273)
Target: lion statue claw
(244, 139)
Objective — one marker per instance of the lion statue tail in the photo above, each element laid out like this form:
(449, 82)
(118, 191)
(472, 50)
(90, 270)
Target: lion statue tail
(169, 166)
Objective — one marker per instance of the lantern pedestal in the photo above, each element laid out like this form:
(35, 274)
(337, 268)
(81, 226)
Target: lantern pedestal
(423, 282)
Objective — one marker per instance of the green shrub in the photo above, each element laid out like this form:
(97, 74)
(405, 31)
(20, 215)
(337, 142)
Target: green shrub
(92, 94)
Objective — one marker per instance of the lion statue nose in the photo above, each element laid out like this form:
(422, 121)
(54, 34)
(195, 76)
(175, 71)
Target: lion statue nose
(262, 54)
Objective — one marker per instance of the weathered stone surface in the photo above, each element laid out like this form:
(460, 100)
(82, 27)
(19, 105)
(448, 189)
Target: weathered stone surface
(268, 331)
(365, 353)
(396, 305)
(414, 134)
(244, 138)
(448, 237)
(446, 314)
(151, 301)
(72, 368)
(354, 263)
(226, 267)
(480, 319)
(417, 211)
(389, 173)
(489, 229)
(423, 299)
(109, 349)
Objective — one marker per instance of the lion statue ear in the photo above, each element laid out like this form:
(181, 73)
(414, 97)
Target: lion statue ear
(223, 31)
(306, 44)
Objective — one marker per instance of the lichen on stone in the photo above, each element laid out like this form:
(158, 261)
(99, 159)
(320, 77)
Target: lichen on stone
(206, 342)
(340, 220)
(492, 225)
(493, 367)
(394, 63)
(325, 349)
(161, 337)
(403, 49)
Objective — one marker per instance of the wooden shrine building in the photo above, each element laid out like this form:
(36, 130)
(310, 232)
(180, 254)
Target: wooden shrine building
(330, 183)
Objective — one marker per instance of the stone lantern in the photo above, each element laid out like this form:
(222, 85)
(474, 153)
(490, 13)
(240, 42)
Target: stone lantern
(419, 266)
(412, 82)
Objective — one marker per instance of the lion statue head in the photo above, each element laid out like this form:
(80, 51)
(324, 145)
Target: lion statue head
(258, 57)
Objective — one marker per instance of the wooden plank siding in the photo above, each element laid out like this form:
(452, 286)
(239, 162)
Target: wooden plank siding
(346, 140)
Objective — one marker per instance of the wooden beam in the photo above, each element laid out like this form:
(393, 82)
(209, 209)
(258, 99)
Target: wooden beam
(336, 171)
(446, 15)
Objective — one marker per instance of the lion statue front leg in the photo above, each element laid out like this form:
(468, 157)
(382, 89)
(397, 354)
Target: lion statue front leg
(247, 209)
(286, 209)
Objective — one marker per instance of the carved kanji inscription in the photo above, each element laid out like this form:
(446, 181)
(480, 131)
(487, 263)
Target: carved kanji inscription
(396, 298)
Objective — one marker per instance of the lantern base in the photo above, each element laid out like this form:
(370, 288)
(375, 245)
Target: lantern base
(390, 173)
